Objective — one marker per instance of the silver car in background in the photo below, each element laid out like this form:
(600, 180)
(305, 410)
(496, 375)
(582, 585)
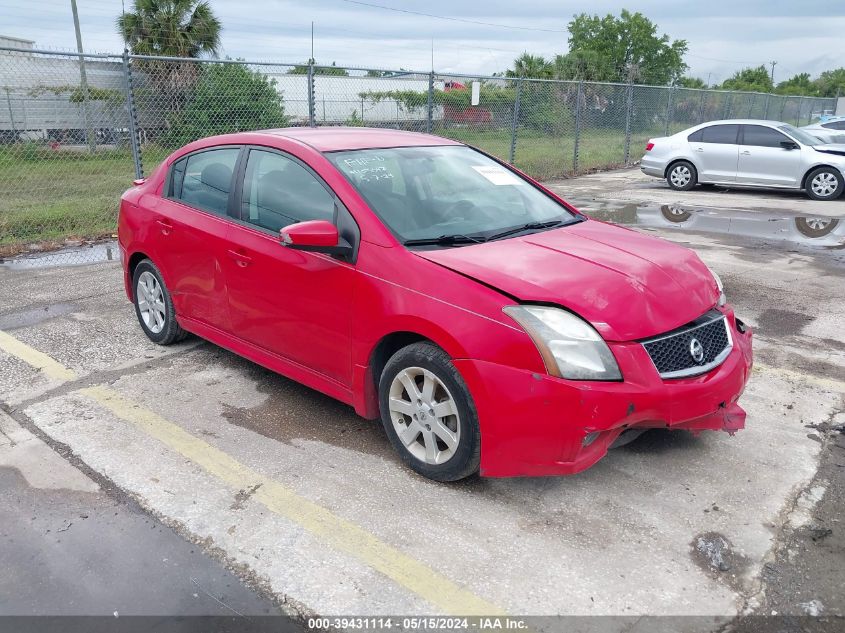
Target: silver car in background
(747, 153)
(830, 129)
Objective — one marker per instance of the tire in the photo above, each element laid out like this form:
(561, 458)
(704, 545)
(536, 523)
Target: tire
(426, 451)
(824, 183)
(816, 227)
(682, 176)
(159, 325)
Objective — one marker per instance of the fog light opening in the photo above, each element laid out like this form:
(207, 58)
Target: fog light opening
(589, 438)
(740, 326)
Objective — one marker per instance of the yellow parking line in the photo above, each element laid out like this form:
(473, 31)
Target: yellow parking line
(338, 532)
(332, 529)
(789, 374)
(39, 360)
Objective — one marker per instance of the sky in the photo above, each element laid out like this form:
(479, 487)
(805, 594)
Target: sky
(723, 35)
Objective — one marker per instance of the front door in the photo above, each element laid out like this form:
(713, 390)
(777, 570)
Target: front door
(292, 303)
(191, 224)
(764, 161)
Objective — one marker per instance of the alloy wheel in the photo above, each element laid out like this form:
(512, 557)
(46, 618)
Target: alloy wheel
(424, 415)
(150, 302)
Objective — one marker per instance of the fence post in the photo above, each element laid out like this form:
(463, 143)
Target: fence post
(576, 149)
(11, 114)
(629, 111)
(668, 111)
(430, 116)
(312, 106)
(751, 105)
(515, 120)
(766, 110)
(701, 106)
(134, 141)
(727, 106)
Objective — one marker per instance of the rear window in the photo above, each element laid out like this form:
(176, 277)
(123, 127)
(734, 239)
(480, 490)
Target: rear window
(724, 134)
(834, 125)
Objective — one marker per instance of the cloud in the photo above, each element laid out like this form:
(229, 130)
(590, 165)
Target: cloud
(724, 35)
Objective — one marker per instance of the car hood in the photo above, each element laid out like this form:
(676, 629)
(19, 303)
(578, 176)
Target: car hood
(831, 148)
(628, 285)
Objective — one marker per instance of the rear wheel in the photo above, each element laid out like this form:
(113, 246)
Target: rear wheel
(428, 413)
(153, 305)
(682, 176)
(824, 183)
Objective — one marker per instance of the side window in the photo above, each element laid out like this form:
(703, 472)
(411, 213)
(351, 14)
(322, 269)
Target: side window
(834, 125)
(723, 134)
(278, 191)
(760, 136)
(695, 137)
(206, 178)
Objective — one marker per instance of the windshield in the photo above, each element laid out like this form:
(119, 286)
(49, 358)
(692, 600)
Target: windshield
(800, 135)
(437, 193)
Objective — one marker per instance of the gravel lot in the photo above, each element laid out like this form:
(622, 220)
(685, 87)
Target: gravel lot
(308, 506)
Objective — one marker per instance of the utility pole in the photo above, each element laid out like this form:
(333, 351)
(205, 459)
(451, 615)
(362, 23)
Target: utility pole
(83, 81)
(774, 63)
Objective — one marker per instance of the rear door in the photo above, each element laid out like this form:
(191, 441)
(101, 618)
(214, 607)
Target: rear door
(191, 221)
(716, 152)
(764, 161)
(292, 303)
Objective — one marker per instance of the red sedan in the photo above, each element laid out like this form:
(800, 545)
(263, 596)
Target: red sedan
(490, 325)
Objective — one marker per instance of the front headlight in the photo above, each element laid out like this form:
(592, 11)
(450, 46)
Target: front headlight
(722, 298)
(571, 348)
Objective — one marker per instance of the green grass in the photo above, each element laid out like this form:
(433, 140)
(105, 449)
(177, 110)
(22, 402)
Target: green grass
(546, 157)
(49, 196)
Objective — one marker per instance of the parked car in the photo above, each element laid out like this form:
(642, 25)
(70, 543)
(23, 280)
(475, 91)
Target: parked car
(829, 129)
(491, 326)
(747, 153)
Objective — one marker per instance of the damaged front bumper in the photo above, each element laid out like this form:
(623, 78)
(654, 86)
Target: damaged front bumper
(534, 424)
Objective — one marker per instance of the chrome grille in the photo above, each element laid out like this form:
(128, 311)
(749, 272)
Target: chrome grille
(693, 349)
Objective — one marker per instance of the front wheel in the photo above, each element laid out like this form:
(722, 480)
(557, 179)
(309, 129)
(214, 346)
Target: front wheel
(824, 183)
(682, 176)
(428, 413)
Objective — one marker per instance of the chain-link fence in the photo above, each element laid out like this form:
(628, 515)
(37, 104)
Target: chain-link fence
(75, 130)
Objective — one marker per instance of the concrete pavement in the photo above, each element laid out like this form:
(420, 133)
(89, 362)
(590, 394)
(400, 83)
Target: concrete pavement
(306, 500)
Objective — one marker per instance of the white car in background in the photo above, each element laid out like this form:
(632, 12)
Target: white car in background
(748, 153)
(829, 129)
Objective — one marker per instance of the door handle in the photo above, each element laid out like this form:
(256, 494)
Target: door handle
(166, 226)
(241, 259)
(746, 153)
(699, 149)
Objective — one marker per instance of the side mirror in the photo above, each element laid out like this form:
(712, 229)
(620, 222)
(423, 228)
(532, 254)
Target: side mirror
(318, 236)
(789, 145)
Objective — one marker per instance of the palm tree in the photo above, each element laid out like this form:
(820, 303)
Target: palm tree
(176, 28)
(171, 28)
(531, 66)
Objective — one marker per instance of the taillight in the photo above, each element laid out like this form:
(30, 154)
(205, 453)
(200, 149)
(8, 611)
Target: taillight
(649, 147)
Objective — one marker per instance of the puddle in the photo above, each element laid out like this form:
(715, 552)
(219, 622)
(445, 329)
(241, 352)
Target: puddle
(34, 316)
(808, 230)
(73, 256)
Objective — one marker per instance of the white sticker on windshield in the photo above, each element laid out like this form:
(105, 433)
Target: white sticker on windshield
(498, 175)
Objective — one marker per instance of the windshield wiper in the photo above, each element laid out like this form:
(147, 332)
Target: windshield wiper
(531, 226)
(445, 240)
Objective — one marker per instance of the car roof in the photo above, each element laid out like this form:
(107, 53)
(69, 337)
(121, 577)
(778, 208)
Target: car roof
(767, 122)
(331, 139)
